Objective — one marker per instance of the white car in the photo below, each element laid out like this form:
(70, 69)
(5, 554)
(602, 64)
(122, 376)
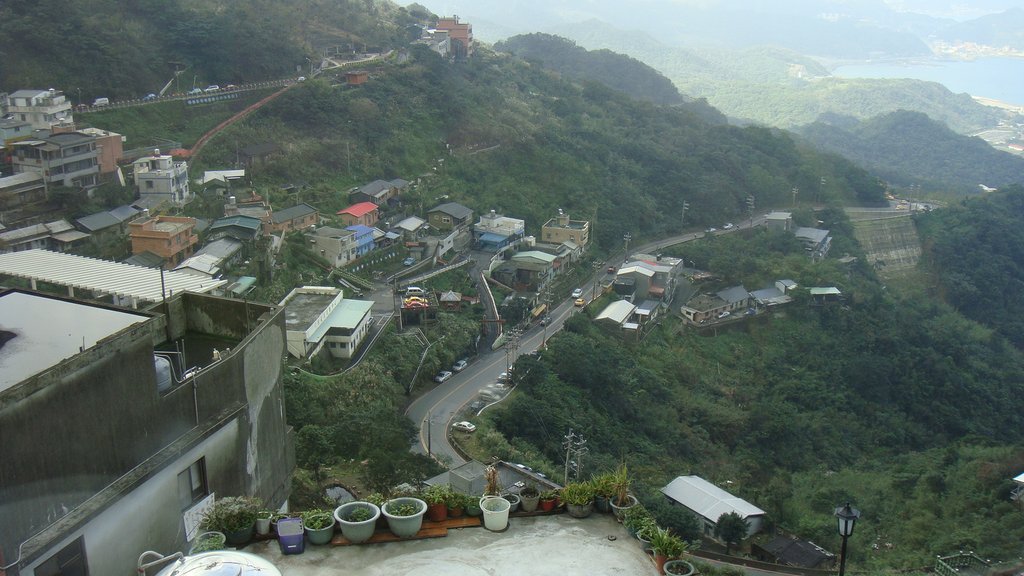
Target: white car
(711, 230)
(442, 376)
(577, 293)
(460, 365)
(728, 226)
(503, 377)
(464, 426)
(724, 314)
(212, 88)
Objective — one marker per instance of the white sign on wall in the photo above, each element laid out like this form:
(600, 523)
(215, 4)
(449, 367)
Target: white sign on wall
(194, 515)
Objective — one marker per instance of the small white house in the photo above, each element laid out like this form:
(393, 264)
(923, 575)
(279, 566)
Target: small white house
(318, 317)
(708, 502)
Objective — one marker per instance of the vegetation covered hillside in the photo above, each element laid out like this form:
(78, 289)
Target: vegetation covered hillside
(975, 251)
(910, 148)
(526, 142)
(614, 70)
(129, 48)
(782, 88)
(900, 405)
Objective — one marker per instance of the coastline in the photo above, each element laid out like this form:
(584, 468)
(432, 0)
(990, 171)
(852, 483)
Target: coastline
(994, 103)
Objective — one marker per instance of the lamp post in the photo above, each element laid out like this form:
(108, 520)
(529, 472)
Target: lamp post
(847, 519)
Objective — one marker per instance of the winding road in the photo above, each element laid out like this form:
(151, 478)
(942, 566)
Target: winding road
(435, 410)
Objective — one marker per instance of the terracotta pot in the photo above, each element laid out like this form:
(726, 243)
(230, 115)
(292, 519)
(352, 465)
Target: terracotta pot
(659, 562)
(456, 512)
(437, 512)
(547, 505)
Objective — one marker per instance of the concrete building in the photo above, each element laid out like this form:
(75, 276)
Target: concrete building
(318, 317)
(66, 159)
(43, 109)
(160, 176)
(708, 502)
(494, 232)
(460, 35)
(114, 444)
(816, 241)
(335, 245)
(436, 40)
(110, 146)
(561, 229)
(170, 237)
(21, 190)
(779, 221)
(58, 236)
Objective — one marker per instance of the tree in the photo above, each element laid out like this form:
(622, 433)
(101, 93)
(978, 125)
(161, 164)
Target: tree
(731, 528)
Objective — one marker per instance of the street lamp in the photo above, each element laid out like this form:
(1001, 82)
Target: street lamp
(847, 518)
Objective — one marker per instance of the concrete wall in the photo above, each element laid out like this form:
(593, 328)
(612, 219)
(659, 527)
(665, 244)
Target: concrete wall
(95, 427)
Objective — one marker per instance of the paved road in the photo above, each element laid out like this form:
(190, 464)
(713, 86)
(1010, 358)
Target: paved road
(435, 410)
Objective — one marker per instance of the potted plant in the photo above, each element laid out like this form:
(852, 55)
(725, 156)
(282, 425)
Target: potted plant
(405, 515)
(679, 567)
(378, 500)
(234, 516)
(456, 504)
(358, 520)
(547, 500)
(513, 500)
(263, 518)
(604, 489)
(207, 541)
(637, 518)
(529, 497)
(319, 525)
(622, 500)
(666, 546)
(437, 497)
(578, 498)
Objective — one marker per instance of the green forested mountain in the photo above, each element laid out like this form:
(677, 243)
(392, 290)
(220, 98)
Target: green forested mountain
(909, 147)
(999, 30)
(976, 252)
(898, 404)
(527, 142)
(609, 68)
(782, 88)
(125, 48)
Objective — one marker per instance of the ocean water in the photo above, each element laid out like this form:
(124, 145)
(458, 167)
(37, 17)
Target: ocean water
(997, 78)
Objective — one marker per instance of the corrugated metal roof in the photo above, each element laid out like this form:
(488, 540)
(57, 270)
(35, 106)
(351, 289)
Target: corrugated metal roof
(708, 500)
(101, 276)
(618, 311)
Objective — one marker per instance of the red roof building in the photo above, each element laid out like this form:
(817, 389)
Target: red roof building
(365, 213)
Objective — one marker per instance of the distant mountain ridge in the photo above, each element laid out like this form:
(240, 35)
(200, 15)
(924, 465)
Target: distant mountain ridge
(617, 71)
(909, 147)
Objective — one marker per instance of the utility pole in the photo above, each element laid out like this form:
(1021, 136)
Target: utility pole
(511, 348)
(575, 448)
(546, 295)
(795, 192)
(750, 208)
(682, 217)
(597, 276)
(626, 237)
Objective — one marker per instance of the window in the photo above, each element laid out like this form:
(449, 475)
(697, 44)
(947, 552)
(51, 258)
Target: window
(68, 562)
(149, 184)
(192, 484)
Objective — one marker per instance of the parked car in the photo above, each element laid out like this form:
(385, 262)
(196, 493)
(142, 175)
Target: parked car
(580, 302)
(230, 87)
(99, 102)
(301, 79)
(409, 261)
(577, 293)
(728, 226)
(611, 269)
(460, 365)
(712, 229)
(503, 377)
(195, 91)
(464, 426)
(724, 314)
(149, 97)
(414, 291)
(442, 376)
(212, 88)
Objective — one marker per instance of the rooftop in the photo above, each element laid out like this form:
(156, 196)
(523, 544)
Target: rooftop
(28, 346)
(303, 308)
(539, 546)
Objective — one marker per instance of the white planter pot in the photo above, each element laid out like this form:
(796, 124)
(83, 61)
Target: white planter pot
(495, 509)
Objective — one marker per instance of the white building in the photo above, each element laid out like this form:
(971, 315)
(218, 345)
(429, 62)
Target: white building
(708, 502)
(159, 176)
(319, 316)
(43, 109)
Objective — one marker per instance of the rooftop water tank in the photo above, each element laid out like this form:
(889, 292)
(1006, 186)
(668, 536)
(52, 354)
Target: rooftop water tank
(163, 373)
